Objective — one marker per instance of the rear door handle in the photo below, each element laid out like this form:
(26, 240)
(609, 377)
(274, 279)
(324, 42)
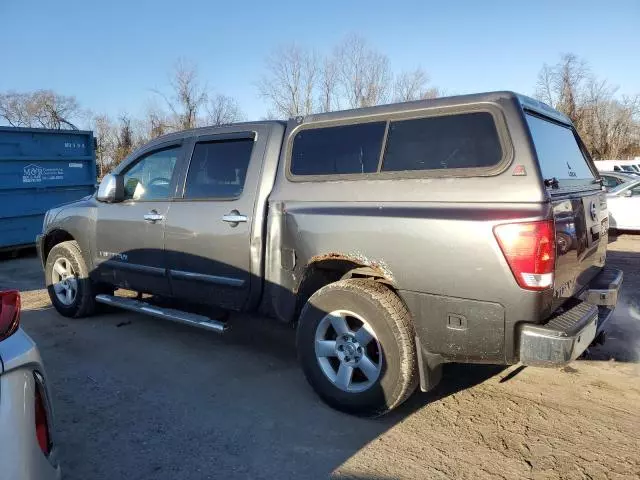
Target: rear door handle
(234, 218)
(153, 216)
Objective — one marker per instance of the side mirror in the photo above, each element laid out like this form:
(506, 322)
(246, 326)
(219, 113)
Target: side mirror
(627, 193)
(111, 189)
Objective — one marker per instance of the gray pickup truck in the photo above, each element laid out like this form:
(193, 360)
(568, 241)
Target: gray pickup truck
(397, 238)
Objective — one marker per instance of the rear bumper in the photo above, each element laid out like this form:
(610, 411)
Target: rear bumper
(566, 335)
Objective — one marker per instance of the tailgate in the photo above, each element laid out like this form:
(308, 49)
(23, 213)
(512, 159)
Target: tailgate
(581, 241)
(579, 205)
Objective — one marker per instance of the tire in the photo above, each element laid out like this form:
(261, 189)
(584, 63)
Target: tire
(82, 303)
(391, 349)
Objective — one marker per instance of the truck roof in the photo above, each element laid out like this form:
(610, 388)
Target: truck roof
(212, 129)
(456, 100)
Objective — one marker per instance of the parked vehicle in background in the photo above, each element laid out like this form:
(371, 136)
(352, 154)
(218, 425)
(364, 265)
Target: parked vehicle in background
(631, 167)
(613, 179)
(27, 449)
(624, 206)
(399, 237)
(40, 169)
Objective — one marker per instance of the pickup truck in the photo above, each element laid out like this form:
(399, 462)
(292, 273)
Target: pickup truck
(396, 238)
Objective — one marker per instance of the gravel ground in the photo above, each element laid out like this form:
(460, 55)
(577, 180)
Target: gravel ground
(140, 398)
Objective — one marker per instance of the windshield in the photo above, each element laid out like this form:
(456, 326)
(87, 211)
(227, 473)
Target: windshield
(624, 186)
(559, 154)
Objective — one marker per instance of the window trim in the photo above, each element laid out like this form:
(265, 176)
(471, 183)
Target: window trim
(494, 110)
(148, 152)
(215, 138)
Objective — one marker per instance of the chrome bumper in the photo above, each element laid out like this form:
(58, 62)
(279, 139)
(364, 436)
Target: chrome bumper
(603, 290)
(566, 335)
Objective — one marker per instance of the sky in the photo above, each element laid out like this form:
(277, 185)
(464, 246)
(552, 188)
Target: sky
(111, 54)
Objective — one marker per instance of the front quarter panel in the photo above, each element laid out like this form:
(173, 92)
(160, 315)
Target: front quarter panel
(78, 220)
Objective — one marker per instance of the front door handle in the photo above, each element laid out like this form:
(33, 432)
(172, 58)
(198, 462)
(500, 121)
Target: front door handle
(153, 216)
(234, 218)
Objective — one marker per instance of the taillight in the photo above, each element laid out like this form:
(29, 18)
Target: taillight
(529, 249)
(9, 313)
(41, 420)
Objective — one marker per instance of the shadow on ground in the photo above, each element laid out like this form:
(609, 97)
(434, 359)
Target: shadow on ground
(184, 403)
(139, 398)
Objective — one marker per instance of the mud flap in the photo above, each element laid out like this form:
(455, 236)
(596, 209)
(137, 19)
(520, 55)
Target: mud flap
(429, 367)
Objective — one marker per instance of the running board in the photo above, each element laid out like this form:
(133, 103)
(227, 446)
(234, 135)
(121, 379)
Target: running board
(187, 318)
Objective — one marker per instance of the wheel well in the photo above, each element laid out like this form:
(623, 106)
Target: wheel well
(320, 273)
(54, 238)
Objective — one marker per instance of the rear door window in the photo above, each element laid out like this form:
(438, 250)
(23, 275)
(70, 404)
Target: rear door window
(559, 153)
(341, 150)
(218, 169)
(468, 140)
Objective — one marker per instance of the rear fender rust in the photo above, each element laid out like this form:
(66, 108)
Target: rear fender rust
(321, 270)
(363, 265)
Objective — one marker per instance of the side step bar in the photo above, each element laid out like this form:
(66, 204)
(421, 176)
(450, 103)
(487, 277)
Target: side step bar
(192, 319)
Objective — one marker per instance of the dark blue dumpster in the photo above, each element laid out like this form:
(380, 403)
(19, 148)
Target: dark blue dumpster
(40, 169)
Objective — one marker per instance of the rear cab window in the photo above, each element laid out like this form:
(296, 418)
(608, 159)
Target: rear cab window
(455, 144)
(559, 154)
(342, 150)
(467, 140)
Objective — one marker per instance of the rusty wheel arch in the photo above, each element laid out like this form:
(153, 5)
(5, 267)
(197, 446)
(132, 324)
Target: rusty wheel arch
(322, 270)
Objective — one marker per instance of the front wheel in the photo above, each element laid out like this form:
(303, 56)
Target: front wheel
(67, 276)
(356, 347)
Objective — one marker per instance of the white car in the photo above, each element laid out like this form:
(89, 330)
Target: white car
(624, 206)
(27, 448)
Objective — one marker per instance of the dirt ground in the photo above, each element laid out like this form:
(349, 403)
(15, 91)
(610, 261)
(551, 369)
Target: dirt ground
(139, 398)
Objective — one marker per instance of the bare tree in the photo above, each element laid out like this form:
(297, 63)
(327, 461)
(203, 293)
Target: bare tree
(156, 122)
(562, 85)
(105, 134)
(545, 90)
(222, 110)
(15, 109)
(188, 95)
(124, 141)
(609, 126)
(363, 73)
(413, 86)
(290, 81)
(42, 108)
(300, 82)
(329, 99)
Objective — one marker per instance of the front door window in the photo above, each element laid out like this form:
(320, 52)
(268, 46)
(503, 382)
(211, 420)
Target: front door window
(150, 177)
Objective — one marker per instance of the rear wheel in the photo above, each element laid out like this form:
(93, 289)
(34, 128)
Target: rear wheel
(356, 347)
(67, 276)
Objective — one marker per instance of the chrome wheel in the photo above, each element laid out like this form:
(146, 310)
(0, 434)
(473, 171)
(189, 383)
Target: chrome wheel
(64, 281)
(348, 351)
